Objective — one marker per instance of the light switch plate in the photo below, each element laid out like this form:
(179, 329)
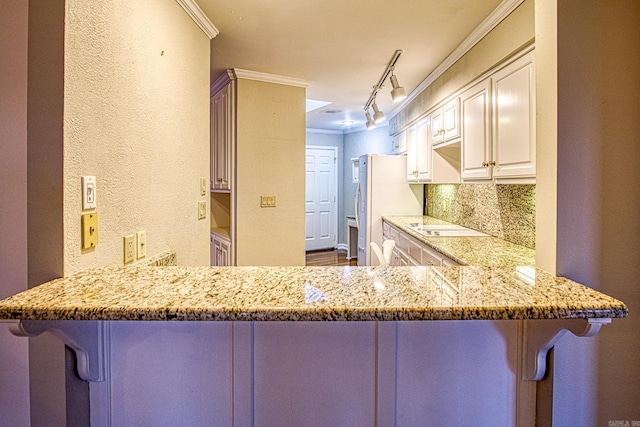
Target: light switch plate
(141, 247)
(89, 190)
(202, 209)
(203, 186)
(89, 230)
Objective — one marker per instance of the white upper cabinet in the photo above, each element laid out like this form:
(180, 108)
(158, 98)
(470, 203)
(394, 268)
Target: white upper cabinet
(419, 152)
(498, 125)
(222, 124)
(399, 143)
(445, 122)
(475, 111)
(514, 119)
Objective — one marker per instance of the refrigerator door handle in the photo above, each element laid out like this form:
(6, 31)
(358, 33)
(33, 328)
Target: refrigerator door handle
(357, 205)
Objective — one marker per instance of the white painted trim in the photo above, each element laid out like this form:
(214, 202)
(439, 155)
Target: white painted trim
(199, 17)
(325, 131)
(498, 15)
(269, 78)
(342, 246)
(100, 392)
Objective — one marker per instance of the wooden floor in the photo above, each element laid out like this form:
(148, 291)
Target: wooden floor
(329, 257)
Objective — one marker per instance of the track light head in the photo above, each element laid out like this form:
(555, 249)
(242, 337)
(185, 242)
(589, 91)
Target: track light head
(397, 93)
(370, 123)
(378, 116)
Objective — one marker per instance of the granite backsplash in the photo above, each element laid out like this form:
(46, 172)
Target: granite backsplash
(506, 211)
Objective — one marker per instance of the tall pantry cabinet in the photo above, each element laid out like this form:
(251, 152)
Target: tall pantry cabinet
(257, 153)
(222, 134)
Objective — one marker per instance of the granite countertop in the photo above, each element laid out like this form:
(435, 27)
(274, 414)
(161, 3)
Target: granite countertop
(309, 294)
(487, 251)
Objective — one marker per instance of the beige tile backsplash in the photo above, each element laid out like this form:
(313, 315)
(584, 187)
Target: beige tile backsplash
(506, 211)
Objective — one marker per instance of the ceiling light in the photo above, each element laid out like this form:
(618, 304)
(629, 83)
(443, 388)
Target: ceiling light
(397, 93)
(370, 123)
(378, 116)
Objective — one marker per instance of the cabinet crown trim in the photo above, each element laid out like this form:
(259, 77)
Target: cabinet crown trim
(269, 78)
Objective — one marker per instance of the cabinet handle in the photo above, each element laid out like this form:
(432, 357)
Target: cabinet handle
(492, 163)
(485, 164)
(218, 179)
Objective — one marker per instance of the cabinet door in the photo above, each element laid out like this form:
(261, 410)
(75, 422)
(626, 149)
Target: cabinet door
(423, 148)
(514, 127)
(224, 254)
(437, 127)
(450, 120)
(399, 143)
(475, 123)
(213, 251)
(412, 154)
(221, 139)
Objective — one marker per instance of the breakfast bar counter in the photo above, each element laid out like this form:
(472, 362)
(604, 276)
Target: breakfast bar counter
(310, 294)
(279, 345)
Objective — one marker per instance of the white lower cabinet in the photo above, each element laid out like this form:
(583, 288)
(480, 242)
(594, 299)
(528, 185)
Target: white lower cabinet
(411, 251)
(220, 249)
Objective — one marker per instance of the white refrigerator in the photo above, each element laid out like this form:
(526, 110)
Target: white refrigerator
(382, 191)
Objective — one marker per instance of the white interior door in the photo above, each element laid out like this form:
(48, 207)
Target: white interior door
(321, 212)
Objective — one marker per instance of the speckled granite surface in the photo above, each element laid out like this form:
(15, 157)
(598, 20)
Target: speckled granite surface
(505, 211)
(308, 294)
(485, 251)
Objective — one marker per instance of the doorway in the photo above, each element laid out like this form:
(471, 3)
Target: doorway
(321, 207)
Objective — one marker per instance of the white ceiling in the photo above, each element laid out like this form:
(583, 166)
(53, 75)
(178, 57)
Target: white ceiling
(340, 47)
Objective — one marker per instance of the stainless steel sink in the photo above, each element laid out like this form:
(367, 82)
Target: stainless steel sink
(445, 230)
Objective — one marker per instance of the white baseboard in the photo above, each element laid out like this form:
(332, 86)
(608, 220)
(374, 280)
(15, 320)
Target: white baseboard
(342, 246)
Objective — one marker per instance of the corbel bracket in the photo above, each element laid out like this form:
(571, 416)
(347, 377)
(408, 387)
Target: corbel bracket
(540, 335)
(87, 338)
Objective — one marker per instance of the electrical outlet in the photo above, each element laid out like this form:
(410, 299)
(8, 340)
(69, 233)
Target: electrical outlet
(129, 248)
(141, 239)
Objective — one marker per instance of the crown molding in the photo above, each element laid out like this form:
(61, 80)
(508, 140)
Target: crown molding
(269, 78)
(498, 15)
(199, 17)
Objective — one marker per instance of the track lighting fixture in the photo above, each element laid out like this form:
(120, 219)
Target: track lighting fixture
(397, 93)
(370, 123)
(378, 116)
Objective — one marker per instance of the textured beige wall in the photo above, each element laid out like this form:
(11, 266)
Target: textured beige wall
(598, 197)
(514, 32)
(136, 115)
(270, 161)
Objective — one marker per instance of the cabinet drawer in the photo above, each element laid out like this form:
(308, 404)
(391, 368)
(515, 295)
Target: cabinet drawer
(403, 242)
(430, 256)
(415, 251)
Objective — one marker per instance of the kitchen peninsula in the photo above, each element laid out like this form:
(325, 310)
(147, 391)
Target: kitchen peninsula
(334, 308)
